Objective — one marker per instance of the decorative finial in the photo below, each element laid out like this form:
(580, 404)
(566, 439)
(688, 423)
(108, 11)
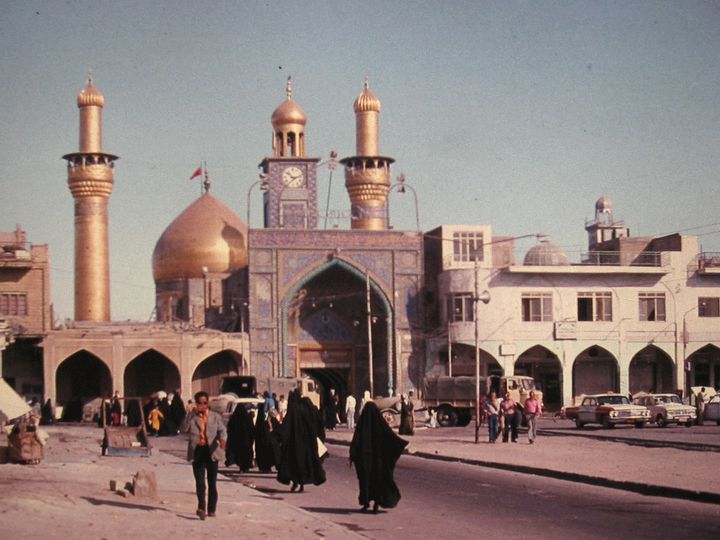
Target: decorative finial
(366, 85)
(90, 76)
(288, 88)
(206, 181)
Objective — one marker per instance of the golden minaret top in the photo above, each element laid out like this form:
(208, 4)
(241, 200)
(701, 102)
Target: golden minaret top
(367, 101)
(288, 122)
(367, 123)
(90, 102)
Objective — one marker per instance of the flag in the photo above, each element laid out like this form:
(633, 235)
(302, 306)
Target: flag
(197, 173)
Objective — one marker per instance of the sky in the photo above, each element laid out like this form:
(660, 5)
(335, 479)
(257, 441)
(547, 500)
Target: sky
(516, 114)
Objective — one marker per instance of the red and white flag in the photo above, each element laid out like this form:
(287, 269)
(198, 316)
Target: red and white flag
(197, 173)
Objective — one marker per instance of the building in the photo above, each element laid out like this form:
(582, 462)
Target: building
(635, 314)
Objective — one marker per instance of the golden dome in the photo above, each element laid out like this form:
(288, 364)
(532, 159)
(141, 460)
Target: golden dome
(90, 96)
(207, 237)
(366, 101)
(289, 112)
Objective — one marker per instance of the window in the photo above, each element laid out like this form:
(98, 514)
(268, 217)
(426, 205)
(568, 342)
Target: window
(460, 307)
(708, 307)
(13, 304)
(467, 246)
(594, 306)
(536, 307)
(652, 306)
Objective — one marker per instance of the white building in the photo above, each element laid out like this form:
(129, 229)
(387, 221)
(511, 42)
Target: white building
(634, 314)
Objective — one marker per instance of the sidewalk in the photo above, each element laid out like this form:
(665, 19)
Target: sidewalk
(67, 496)
(665, 472)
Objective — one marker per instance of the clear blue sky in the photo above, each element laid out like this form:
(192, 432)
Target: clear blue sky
(516, 114)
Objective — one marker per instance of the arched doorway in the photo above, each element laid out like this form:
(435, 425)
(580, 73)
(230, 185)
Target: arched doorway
(329, 334)
(209, 373)
(704, 367)
(544, 366)
(595, 370)
(150, 372)
(651, 370)
(78, 379)
(463, 361)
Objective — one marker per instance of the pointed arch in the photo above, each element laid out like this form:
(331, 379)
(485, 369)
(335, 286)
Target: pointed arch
(704, 366)
(544, 366)
(209, 372)
(595, 370)
(149, 372)
(80, 377)
(651, 370)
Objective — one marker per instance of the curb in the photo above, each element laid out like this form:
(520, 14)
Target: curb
(635, 487)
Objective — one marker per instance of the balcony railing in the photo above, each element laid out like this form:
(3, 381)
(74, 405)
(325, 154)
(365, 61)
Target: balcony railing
(619, 258)
(709, 259)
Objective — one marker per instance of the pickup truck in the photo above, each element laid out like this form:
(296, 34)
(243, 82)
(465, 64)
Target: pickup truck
(607, 410)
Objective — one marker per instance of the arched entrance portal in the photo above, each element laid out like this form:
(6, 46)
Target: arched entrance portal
(80, 378)
(704, 367)
(209, 373)
(651, 370)
(595, 370)
(544, 366)
(150, 372)
(326, 331)
(463, 361)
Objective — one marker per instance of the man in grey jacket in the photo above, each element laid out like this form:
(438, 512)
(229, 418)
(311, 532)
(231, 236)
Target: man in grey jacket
(206, 446)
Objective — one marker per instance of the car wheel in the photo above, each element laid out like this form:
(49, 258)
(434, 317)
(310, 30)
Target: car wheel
(639, 424)
(660, 421)
(578, 423)
(447, 417)
(689, 423)
(606, 422)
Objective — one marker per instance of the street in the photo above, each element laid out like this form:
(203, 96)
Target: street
(449, 500)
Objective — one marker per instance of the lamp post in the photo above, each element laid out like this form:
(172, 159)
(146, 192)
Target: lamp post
(263, 187)
(402, 186)
(484, 298)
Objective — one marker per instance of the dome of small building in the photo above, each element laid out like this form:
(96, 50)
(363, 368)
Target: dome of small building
(603, 205)
(366, 101)
(90, 96)
(545, 254)
(207, 237)
(289, 112)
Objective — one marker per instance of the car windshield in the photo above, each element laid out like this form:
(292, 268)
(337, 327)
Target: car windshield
(613, 400)
(669, 398)
(527, 384)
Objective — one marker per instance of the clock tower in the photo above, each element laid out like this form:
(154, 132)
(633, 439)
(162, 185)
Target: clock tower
(290, 201)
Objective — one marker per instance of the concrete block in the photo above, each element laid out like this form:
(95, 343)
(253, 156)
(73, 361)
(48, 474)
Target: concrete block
(144, 484)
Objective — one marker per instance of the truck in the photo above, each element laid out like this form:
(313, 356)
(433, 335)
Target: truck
(454, 398)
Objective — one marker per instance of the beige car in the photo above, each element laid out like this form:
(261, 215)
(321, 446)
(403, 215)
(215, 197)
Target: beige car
(667, 409)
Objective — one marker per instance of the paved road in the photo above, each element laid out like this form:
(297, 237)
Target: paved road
(453, 500)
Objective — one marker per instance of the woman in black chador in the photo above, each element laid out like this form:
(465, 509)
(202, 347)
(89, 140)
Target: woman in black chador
(299, 461)
(407, 420)
(267, 441)
(374, 450)
(240, 436)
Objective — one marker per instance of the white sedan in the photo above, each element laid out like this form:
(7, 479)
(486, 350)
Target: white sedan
(712, 409)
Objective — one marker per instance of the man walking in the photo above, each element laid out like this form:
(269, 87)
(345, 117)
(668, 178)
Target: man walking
(350, 411)
(533, 409)
(206, 446)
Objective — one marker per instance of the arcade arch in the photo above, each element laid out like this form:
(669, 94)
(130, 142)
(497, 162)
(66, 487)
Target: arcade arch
(209, 373)
(78, 379)
(595, 370)
(463, 361)
(150, 372)
(651, 370)
(544, 366)
(704, 367)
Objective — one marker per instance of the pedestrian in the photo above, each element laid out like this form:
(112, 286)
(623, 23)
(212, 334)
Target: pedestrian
(282, 407)
(133, 412)
(700, 405)
(269, 402)
(533, 410)
(492, 408)
(177, 410)
(331, 410)
(240, 437)
(167, 426)
(299, 462)
(47, 416)
(155, 417)
(206, 446)
(509, 409)
(115, 409)
(407, 419)
(267, 442)
(365, 399)
(375, 449)
(350, 404)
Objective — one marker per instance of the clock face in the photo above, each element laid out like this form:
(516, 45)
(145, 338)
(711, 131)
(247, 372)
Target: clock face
(293, 177)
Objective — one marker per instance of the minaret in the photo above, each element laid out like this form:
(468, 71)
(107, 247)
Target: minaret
(90, 178)
(367, 174)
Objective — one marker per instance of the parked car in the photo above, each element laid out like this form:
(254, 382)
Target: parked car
(225, 405)
(607, 410)
(667, 409)
(712, 409)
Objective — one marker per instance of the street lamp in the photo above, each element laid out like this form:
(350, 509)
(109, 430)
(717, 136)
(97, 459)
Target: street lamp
(483, 297)
(402, 186)
(263, 187)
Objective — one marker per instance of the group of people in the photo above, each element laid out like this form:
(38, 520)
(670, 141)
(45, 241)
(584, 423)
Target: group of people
(292, 443)
(505, 416)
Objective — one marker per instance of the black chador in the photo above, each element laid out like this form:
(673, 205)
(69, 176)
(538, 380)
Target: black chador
(241, 433)
(267, 441)
(299, 462)
(375, 448)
